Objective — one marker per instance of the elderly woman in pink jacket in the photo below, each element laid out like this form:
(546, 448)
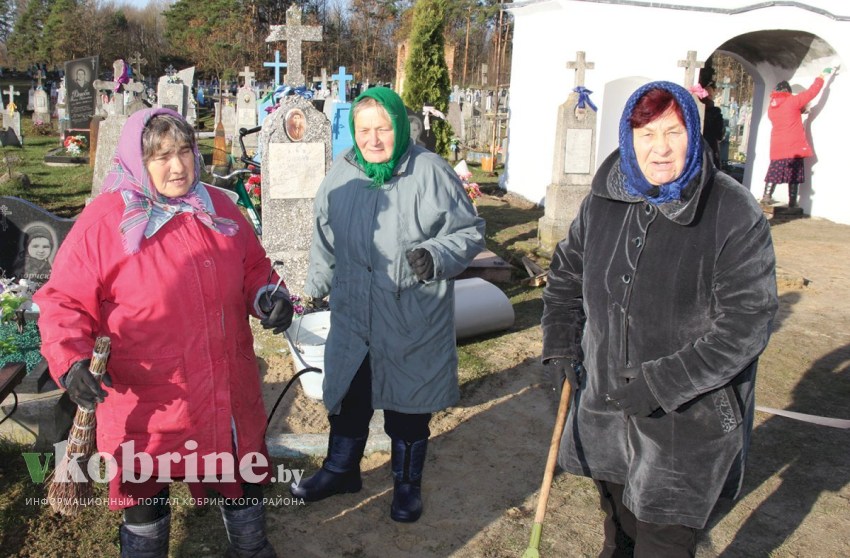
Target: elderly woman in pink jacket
(170, 270)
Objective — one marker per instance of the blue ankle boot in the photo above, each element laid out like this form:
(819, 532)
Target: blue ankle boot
(340, 472)
(246, 532)
(145, 540)
(408, 460)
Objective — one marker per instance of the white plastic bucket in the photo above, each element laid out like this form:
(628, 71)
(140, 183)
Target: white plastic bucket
(309, 334)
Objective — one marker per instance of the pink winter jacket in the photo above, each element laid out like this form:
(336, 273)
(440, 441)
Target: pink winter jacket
(788, 138)
(182, 361)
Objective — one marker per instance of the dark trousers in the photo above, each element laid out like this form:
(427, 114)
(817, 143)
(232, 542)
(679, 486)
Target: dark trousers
(356, 412)
(627, 536)
(157, 507)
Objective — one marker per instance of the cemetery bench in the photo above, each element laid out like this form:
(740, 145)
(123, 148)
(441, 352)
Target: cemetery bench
(11, 375)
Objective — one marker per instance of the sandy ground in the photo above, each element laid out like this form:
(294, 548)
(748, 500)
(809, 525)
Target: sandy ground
(486, 455)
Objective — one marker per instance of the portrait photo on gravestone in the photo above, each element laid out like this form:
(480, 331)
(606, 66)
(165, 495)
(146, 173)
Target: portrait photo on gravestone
(80, 95)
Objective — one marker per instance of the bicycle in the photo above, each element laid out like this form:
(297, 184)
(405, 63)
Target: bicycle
(252, 167)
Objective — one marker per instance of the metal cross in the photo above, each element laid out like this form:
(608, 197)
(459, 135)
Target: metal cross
(277, 65)
(342, 77)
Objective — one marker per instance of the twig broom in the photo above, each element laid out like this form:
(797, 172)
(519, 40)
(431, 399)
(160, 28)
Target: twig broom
(68, 493)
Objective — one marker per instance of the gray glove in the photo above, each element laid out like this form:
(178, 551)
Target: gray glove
(83, 389)
(422, 263)
(635, 398)
(561, 371)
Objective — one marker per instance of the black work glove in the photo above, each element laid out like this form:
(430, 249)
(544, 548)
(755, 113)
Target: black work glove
(83, 388)
(422, 263)
(278, 310)
(561, 371)
(635, 398)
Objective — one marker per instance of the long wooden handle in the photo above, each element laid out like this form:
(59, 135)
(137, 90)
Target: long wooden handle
(554, 445)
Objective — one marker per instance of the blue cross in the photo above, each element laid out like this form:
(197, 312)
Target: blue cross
(277, 65)
(342, 77)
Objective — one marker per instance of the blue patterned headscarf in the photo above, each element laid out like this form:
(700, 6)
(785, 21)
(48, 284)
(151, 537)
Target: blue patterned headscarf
(636, 183)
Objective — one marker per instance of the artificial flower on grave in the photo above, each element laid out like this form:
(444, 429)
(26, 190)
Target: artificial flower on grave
(75, 145)
(297, 306)
(254, 188)
(19, 340)
(472, 189)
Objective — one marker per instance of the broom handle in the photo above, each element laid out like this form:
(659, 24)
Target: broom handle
(549, 474)
(99, 356)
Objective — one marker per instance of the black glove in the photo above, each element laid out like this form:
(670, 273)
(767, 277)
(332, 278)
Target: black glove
(278, 310)
(635, 398)
(561, 371)
(82, 387)
(422, 263)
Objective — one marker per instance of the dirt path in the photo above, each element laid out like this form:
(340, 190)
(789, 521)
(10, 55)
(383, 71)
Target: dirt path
(486, 455)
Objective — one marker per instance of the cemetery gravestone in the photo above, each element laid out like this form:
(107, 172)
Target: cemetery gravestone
(29, 238)
(246, 114)
(574, 161)
(12, 120)
(340, 130)
(41, 102)
(80, 94)
(292, 172)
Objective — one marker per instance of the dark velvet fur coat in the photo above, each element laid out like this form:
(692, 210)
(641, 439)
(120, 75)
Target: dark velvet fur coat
(687, 291)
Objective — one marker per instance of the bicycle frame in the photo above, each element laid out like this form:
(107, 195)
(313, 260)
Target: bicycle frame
(252, 167)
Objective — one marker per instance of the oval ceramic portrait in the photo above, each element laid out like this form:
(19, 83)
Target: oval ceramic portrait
(295, 124)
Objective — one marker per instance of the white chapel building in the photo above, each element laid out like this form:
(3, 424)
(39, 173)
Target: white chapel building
(632, 42)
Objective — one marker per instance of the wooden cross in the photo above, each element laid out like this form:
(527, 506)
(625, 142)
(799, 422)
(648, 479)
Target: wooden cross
(11, 93)
(249, 77)
(691, 65)
(277, 65)
(136, 63)
(294, 34)
(342, 77)
(579, 65)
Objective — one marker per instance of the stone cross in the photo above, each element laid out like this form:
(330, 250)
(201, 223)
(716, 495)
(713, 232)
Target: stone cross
(579, 65)
(691, 65)
(277, 65)
(136, 63)
(249, 77)
(294, 34)
(11, 93)
(118, 96)
(170, 72)
(40, 76)
(342, 77)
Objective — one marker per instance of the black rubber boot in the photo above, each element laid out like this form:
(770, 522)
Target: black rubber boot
(340, 472)
(767, 198)
(246, 532)
(792, 194)
(145, 540)
(408, 460)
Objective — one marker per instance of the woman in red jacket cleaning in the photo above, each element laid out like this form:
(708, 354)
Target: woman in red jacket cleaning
(788, 144)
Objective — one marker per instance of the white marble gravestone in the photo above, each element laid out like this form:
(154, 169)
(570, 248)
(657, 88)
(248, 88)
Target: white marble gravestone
(41, 106)
(292, 172)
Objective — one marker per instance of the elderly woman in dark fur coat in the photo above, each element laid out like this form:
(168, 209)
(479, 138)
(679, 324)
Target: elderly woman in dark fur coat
(657, 307)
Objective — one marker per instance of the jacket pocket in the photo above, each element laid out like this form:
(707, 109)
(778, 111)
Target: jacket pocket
(149, 395)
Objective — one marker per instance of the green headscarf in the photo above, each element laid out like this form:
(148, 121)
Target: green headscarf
(389, 99)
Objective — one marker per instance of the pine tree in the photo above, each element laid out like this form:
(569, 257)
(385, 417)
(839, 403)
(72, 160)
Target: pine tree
(427, 75)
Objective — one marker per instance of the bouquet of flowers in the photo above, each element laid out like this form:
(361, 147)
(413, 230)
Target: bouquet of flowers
(75, 145)
(472, 189)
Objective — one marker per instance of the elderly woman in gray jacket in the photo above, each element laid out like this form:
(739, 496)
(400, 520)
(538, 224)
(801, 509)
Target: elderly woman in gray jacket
(657, 306)
(393, 226)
